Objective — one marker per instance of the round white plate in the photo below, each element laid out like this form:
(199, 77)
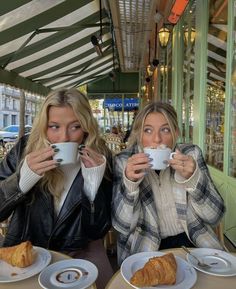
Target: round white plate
(221, 262)
(73, 273)
(9, 273)
(186, 275)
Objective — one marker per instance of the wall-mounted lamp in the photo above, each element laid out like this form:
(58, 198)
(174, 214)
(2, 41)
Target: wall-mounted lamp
(163, 69)
(164, 34)
(151, 67)
(112, 76)
(155, 62)
(144, 88)
(149, 70)
(96, 45)
(192, 35)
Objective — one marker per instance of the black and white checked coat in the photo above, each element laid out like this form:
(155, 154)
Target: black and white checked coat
(199, 206)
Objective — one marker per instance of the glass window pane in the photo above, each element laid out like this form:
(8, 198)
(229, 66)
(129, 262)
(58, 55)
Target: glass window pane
(232, 169)
(216, 74)
(189, 29)
(165, 69)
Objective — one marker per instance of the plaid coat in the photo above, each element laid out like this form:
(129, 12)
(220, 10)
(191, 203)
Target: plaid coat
(135, 216)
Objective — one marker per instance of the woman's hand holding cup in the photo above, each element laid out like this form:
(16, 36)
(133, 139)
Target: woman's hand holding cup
(136, 166)
(185, 165)
(42, 160)
(89, 157)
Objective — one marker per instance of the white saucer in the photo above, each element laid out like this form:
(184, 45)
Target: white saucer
(186, 275)
(72, 274)
(221, 263)
(12, 274)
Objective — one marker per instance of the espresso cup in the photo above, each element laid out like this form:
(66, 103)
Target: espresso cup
(68, 152)
(160, 157)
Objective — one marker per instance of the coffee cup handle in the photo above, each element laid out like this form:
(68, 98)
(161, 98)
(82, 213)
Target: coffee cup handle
(172, 155)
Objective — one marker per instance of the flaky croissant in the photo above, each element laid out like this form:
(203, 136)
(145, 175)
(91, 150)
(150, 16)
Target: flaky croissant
(157, 271)
(21, 255)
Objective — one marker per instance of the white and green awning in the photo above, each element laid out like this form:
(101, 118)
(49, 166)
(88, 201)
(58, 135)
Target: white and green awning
(46, 44)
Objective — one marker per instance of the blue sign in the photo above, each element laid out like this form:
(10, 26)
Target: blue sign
(116, 103)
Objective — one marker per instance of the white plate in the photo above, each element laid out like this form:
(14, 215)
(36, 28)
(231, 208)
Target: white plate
(9, 273)
(74, 273)
(222, 263)
(185, 278)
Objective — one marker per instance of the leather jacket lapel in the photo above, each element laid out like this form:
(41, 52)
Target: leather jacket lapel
(73, 198)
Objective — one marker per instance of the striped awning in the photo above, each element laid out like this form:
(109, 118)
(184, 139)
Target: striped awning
(46, 44)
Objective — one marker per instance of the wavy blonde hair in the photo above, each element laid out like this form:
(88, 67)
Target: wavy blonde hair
(164, 108)
(53, 180)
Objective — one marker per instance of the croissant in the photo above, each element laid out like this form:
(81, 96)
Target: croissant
(21, 255)
(157, 271)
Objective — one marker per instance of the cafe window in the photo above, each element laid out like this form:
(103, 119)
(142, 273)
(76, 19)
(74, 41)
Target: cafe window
(232, 165)
(165, 70)
(189, 30)
(215, 89)
(115, 111)
(169, 72)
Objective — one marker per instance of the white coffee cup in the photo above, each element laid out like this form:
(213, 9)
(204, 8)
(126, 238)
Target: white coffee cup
(68, 152)
(160, 157)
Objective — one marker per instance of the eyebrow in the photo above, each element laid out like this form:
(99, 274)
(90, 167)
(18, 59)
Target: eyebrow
(164, 124)
(72, 122)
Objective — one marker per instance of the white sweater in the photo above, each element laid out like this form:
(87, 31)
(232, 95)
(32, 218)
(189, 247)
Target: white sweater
(92, 179)
(164, 198)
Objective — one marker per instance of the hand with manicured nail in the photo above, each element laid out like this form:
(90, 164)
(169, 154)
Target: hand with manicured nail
(41, 161)
(90, 158)
(136, 166)
(185, 165)
(81, 146)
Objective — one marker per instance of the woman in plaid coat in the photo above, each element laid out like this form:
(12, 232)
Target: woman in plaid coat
(154, 210)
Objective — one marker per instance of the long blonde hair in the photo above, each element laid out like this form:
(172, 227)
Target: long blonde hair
(164, 108)
(53, 180)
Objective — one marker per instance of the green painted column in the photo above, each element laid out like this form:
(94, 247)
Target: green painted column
(187, 91)
(177, 73)
(199, 102)
(123, 109)
(104, 116)
(228, 88)
(141, 94)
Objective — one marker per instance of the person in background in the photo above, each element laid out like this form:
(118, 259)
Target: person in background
(114, 130)
(120, 132)
(154, 210)
(127, 134)
(65, 208)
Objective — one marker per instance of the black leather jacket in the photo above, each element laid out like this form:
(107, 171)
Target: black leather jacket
(33, 217)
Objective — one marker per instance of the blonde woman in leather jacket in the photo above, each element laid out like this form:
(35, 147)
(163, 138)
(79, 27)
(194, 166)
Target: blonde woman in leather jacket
(60, 207)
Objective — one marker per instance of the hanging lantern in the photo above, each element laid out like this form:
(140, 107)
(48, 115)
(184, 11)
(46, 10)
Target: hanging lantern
(163, 69)
(192, 35)
(149, 70)
(155, 62)
(144, 88)
(164, 34)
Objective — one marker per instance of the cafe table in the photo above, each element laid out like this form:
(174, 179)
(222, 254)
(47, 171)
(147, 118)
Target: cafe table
(32, 282)
(204, 281)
